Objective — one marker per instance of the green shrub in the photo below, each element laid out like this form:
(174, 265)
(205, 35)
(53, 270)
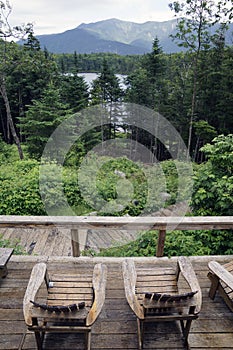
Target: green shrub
(213, 191)
(179, 180)
(7, 243)
(213, 182)
(120, 186)
(20, 190)
(177, 243)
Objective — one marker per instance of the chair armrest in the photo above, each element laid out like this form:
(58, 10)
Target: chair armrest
(188, 273)
(36, 279)
(130, 277)
(99, 286)
(220, 271)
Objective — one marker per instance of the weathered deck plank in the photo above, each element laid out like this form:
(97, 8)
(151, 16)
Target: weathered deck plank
(116, 327)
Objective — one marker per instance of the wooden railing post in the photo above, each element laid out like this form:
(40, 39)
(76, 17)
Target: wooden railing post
(75, 242)
(160, 244)
(78, 240)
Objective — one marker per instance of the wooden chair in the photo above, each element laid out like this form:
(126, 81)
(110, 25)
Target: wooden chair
(5, 254)
(221, 277)
(154, 295)
(65, 303)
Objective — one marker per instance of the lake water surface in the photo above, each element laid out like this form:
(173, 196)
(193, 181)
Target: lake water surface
(89, 77)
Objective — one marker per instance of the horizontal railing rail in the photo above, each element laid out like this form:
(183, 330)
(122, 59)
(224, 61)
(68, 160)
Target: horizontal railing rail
(78, 223)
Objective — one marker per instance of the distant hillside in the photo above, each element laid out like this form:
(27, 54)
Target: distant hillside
(115, 36)
(112, 35)
(135, 34)
(82, 41)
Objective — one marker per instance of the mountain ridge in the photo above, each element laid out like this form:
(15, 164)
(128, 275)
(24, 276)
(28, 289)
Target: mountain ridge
(114, 36)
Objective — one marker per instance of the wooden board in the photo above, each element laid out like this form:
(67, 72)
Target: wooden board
(5, 254)
(116, 326)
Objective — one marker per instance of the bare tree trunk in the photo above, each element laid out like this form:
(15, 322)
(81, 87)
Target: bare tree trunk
(194, 96)
(10, 122)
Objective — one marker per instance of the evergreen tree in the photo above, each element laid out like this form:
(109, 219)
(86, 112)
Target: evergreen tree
(27, 73)
(8, 32)
(138, 88)
(74, 91)
(196, 18)
(32, 43)
(145, 83)
(41, 119)
(106, 88)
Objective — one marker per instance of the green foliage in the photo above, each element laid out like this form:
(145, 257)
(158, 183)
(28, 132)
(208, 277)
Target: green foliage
(20, 193)
(28, 73)
(74, 92)
(137, 88)
(177, 190)
(158, 81)
(213, 190)
(106, 88)
(109, 186)
(19, 190)
(7, 152)
(93, 62)
(120, 186)
(204, 130)
(213, 183)
(41, 119)
(7, 243)
(123, 181)
(177, 243)
(195, 20)
(144, 84)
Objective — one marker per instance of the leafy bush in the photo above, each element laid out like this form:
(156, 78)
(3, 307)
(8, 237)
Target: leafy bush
(179, 180)
(213, 182)
(177, 243)
(19, 189)
(8, 153)
(213, 190)
(108, 186)
(113, 186)
(20, 193)
(120, 186)
(7, 243)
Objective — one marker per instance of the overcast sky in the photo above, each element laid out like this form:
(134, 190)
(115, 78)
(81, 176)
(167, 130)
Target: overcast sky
(56, 16)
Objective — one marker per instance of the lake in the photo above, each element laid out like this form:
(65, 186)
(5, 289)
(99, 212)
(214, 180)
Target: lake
(89, 77)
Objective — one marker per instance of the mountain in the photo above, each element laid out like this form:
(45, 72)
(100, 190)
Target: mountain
(82, 41)
(113, 35)
(136, 34)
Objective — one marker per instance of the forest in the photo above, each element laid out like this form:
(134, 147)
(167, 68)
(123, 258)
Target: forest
(192, 89)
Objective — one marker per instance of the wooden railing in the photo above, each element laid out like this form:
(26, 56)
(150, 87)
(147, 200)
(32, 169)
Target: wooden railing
(79, 225)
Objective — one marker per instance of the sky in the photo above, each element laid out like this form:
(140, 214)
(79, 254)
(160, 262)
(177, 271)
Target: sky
(56, 16)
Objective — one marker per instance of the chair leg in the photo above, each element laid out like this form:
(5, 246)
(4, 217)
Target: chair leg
(140, 333)
(182, 326)
(88, 340)
(186, 331)
(214, 285)
(186, 327)
(39, 340)
(3, 272)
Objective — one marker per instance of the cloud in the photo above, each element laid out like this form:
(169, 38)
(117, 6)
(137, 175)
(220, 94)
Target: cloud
(59, 15)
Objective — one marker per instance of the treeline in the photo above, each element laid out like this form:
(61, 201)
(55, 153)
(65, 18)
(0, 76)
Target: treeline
(93, 63)
(165, 83)
(36, 96)
(39, 95)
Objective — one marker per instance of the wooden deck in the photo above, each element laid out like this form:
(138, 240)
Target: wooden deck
(56, 241)
(116, 327)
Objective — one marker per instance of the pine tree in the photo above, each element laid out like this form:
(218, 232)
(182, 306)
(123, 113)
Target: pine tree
(41, 119)
(106, 88)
